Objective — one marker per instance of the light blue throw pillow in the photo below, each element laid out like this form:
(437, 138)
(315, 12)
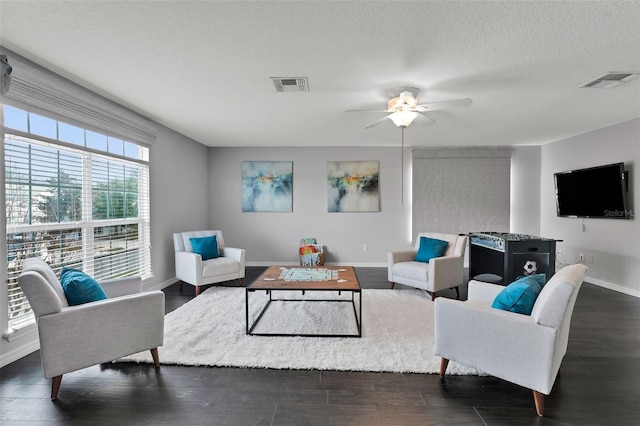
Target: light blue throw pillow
(519, 296)
(430, 248)
(80, 288)
(207, 247)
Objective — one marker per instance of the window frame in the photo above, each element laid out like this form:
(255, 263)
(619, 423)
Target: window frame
(86, 224)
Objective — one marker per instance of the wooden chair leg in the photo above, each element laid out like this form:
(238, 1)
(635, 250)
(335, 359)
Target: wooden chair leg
(240, 281)
(197, 290)
(433, 296)
(538, 398)
(180, 287)
(458, 292)
(55, 387)
(156, 357)
(393, 285)
(443, 366)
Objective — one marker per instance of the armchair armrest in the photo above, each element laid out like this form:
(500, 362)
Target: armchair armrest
(482, 292)
(189, 267)
(235, 253)
(122, 286)
(97, 332)
(503, 344)
(446, 272)
(401, 256)
(394, 257)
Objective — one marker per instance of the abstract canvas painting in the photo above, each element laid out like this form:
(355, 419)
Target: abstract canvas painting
(352, 186)
(267, 186)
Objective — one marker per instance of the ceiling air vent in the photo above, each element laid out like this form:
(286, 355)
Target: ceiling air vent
(611, 80)
(290, 84)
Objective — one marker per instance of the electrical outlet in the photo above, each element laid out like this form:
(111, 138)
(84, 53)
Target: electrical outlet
(581, 257)
(365, 247)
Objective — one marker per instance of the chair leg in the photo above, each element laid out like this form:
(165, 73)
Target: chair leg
(55, 387)
(433, 295)
(538, 398)
(458, 292)
(197, 290)
(240, 281)
(156, 357)
(180, 287)
(393, 285)
(443, 366)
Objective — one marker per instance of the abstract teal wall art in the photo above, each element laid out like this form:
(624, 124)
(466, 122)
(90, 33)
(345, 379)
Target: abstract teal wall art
(352, 186)
(267, 186)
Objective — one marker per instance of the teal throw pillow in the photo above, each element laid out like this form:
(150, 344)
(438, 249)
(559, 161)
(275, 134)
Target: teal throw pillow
(430, 248)
(540, 278)
(207, 247)
(80, 288)
(519, 296)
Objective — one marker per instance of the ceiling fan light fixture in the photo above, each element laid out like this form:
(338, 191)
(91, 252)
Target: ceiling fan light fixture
(402, 102)
(403, 118)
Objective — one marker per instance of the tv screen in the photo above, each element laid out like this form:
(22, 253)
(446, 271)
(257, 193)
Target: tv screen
(596, 192)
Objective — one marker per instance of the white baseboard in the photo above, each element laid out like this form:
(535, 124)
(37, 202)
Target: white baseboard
(25, 343)
(614, 287)
(160, 286)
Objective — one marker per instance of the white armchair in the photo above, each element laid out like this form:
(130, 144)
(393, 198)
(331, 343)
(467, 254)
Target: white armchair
(523, 349)
(75, 337)
(191, 269)
(439, 273)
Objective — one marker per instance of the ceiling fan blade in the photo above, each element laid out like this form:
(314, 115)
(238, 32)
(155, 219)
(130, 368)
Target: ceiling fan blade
(434, 106)
(423, 120)
(368, 110)
(375, 123)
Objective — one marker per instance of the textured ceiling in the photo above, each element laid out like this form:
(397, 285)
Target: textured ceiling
(202, 68)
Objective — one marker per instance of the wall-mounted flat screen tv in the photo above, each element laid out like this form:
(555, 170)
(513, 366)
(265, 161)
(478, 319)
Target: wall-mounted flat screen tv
(596, 192)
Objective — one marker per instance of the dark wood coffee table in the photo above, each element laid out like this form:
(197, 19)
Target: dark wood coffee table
(277, 279)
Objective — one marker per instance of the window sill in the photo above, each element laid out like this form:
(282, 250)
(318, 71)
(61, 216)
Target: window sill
(19, 331)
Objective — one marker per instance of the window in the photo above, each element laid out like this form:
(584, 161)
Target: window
(74, 198)
(461, 190)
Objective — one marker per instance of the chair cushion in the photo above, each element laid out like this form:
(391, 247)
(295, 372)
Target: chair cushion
(80, 288)
(519, 296)
(220, 266)
(207, 247)
(430, 248)
(418, 271)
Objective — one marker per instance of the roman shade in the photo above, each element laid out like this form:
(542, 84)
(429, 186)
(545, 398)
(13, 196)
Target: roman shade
(42, 90)
(461, 190)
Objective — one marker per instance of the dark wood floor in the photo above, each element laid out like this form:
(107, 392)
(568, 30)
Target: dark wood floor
(599, 385)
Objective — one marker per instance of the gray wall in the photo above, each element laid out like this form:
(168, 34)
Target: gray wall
(614, 244)
(525, 190)
(179, 182)
(274, 237)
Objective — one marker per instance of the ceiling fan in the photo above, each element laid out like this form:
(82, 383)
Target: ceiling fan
(404, 108)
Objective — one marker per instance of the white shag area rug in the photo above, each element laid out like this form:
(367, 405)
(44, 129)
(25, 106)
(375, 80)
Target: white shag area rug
(397, 333)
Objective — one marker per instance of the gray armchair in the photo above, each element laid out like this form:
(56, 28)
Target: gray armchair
(523, 349)
(438, 274)
(192, 269)
(75, 337)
